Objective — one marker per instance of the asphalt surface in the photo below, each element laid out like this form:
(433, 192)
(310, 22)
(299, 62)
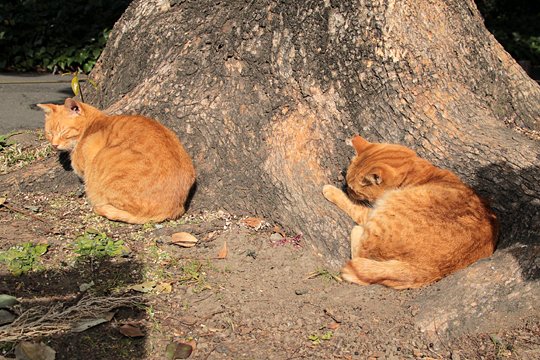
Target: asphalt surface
(19, 94)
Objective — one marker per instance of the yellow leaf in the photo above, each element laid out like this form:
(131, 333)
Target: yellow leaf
(75, 85)
(163, 287)
(145, 287)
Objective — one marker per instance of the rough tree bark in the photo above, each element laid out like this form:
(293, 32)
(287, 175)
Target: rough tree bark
(265, 93)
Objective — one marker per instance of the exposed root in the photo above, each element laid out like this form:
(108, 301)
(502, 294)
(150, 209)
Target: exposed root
(42, 321)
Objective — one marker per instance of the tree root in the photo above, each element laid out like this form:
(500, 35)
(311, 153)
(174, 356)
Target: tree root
(42, 321)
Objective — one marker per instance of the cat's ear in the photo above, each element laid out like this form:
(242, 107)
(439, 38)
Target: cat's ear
(47, 108)
(73, 106)
(374, 177)
(359, 143)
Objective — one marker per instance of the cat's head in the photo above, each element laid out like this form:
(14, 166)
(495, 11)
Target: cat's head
(63, 124)
(377, 168)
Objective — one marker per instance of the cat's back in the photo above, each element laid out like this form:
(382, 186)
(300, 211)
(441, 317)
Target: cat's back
(141, 136)
(436, 202)
(136, 129)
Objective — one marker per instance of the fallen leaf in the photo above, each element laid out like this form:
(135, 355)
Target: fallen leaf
(130, 330)
(178, 350)
(223, 252)
(7, 301)
(144, 287)
(163, 287)
(26, 350)
(333, 325)
(277, 229)
(188, 320)
(6, 317)
(193, 344)
(86, 324)
(183, 239)
(253, 222)
(2, 200)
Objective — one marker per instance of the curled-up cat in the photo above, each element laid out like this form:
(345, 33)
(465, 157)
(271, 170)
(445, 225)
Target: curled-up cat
(134, 169)
(416, 222)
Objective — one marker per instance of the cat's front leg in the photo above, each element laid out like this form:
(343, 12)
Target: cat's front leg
(357, 212)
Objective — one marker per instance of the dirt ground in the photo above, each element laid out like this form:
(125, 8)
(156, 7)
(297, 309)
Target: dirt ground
(268, 297)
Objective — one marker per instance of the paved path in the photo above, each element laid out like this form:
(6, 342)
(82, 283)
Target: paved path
(19, 94)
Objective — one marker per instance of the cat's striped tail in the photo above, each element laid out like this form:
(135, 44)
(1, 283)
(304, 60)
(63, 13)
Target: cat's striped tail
(392, 273)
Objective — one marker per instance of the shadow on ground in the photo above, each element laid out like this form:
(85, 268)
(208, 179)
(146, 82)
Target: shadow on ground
(62, 286)
(515, 197)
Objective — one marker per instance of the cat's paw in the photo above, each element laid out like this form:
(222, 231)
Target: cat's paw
(331, 192)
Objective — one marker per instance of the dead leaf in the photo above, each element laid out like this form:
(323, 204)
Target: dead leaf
(144, 287)
(253, 222)
(193, 344)
(7, 301)
(130, 330)
(163, 287)
(223, 252)
(277, 229)
(2, 200)
(86, 324)
(333, 325)
(183, 239)
(178, 350)
(6, 317)
(26, 350)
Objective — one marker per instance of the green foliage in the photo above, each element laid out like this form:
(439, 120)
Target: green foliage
(316, 339)
(97, 244)
(55, 35)
(193, 275)
(23, 258)
(325, 274)
(515, 24)
(4, 142)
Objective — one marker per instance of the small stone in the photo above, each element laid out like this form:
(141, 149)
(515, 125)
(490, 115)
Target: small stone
(275, 237)
(301, 291)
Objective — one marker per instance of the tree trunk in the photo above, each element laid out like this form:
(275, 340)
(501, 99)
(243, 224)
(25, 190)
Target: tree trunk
(264, 94)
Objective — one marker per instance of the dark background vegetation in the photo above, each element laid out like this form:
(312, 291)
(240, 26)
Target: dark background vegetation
(516, 25)
(54, 35)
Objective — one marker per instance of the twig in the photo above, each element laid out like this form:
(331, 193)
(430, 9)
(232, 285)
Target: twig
(210, 353)
(24, 212)
(198, 258)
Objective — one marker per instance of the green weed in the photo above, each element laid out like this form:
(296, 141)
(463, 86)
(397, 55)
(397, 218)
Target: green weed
(14, 156)
(97, 244)
(316, 339)
(4, 142)
(23, 258)
(193, 275)
(325, 274)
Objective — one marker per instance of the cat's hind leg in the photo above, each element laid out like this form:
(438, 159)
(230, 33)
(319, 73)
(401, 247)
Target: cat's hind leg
(392, 273)
(113, 213)
(357, 212)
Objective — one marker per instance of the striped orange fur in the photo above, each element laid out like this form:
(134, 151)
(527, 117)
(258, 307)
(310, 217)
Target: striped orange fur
(416, 222)
(135, 170)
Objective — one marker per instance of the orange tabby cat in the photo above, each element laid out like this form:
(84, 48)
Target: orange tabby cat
(134, 169)
(423, 223)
